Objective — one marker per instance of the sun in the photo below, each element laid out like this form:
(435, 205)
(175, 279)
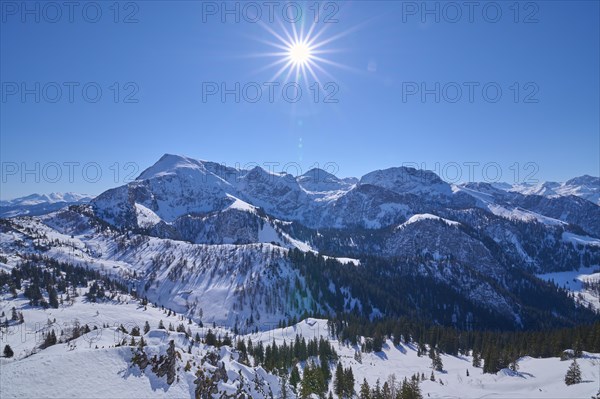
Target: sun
(299, 53)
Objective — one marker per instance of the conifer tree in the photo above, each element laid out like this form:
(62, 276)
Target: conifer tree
(436, 359)
(53, 297)
(348, 383)
(376, 392)
(386, 391)
(210, 338)
(365, 390)
(294, 377)
(573, 375)
(8, 352)
(338, 381)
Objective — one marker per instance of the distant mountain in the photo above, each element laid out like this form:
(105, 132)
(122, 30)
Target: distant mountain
(586, 187)
(39, 204)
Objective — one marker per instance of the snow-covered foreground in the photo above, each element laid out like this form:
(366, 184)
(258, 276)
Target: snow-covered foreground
(93, 365)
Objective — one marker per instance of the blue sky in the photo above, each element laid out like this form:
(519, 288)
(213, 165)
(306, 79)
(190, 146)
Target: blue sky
(545, 125)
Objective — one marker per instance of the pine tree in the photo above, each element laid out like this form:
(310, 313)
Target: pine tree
(377, 342)
(365, 390)
(294, 377)
(376, 392)
(146, 327)
(8, 352)
(415, 390)
(578, 351)
(161, 325)
(436, 359)
(348, 383)
(313, 382)
(386, 391)
(338, 381)
(50, 339)
(573, 375)
(53, 298)
(325, 367)
(210, 338)
(439, 366)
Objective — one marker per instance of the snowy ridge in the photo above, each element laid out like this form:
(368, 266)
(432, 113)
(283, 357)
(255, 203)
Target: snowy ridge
(40, 204)
(36, 199)
(218, 281)
(586, 187)
(427, 216)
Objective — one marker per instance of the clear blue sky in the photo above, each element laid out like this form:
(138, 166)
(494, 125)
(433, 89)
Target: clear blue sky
(377, 52)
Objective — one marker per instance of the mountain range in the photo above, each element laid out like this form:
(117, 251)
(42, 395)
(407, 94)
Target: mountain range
(188, 232)
(39, 204)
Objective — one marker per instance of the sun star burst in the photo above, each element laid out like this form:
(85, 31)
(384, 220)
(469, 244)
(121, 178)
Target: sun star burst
(301, 54)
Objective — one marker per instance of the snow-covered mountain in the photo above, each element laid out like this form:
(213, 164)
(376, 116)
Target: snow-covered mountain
(184, 213)
(39, 204)
(249, 250)
(36, 199)
(586, 187)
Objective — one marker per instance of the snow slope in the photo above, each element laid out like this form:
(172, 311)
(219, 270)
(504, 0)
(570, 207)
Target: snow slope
(95, 366)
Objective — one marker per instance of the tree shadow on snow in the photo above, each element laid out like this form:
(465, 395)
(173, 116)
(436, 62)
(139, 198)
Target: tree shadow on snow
(401, 349)
(381, 355)
(156, 383)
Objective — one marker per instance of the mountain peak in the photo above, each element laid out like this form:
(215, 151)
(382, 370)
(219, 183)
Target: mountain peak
(318, 175)
(169, 164)
(587, 180)
(319, 180)
(407, 180)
